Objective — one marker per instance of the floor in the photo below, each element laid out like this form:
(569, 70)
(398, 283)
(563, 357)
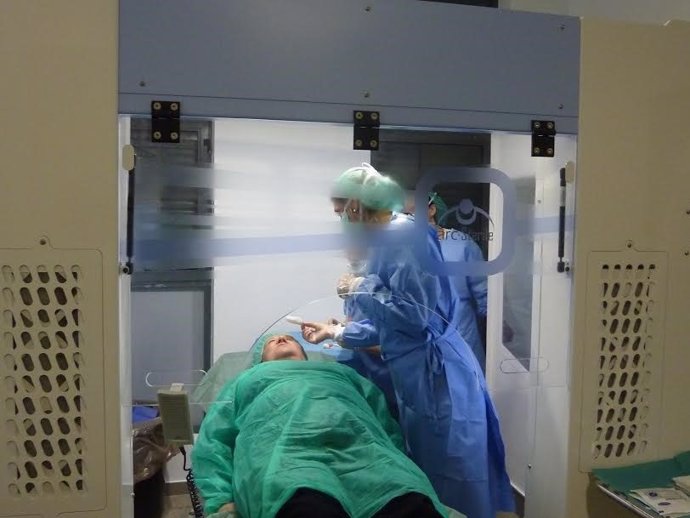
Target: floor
(178, 506)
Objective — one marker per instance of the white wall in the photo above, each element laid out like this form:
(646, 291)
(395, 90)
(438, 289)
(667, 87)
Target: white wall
(282, 173)
(648, 11)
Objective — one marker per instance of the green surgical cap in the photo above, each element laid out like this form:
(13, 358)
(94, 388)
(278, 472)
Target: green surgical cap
(383, 194)
(370, 187)
(348, 185)
(441, 207)
(257, 349)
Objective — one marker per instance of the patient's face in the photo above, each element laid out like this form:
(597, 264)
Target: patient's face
(282, 347)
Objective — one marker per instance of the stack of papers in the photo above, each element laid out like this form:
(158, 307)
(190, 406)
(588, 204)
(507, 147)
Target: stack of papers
(669, 503)
(683, 483)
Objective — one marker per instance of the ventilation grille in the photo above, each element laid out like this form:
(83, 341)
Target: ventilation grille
(43, 343)
(624, 353)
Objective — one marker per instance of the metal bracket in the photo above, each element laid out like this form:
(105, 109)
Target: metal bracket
(366, 130)
(129, 162)
(543, 138)
(562, 266)
(165, 121)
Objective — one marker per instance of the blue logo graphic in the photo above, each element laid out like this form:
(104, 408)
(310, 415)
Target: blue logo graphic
(465, 213)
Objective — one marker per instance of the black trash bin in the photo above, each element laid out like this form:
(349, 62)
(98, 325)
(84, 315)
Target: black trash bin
(149, 499)
(151, 453)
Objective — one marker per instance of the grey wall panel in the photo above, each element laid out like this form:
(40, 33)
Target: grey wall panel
(404, 57)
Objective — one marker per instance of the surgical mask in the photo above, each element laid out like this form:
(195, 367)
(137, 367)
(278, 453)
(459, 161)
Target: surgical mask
(351, 227)
(345, 217)
(355, 234)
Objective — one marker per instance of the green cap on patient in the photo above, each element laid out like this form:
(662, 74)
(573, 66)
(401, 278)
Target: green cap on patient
(257, 349)
(374, 190)
(276, 346)
(229, 366)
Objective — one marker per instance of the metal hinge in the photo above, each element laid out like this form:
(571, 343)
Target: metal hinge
(366, 130)
(165, 121)
(543, 138)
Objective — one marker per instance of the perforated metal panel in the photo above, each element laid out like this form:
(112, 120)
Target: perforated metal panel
(622, 390)
(52, 375)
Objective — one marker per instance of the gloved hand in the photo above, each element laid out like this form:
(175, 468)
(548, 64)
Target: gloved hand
(347, 284)
(317, 332)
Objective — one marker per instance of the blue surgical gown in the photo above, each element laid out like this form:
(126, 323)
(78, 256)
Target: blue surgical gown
(369, 365)
(472, 290)
(447, 417)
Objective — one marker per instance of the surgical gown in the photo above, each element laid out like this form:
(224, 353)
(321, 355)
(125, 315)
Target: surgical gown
(370, 364)
(472, 290)
(285, 425)
(447, 417)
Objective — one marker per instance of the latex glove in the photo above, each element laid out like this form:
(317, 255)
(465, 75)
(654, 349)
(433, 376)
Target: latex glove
(347, 284)
(317, 332)
(343, 285)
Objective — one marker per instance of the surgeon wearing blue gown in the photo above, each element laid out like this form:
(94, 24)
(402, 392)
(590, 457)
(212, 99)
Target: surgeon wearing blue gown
(448, 420)
(367, 361)
(472, 290)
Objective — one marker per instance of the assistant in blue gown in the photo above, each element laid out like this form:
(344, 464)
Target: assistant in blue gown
(457, 246)
(472, 290)
(448, 420)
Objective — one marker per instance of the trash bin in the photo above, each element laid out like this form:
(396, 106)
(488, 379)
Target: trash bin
(151, 453)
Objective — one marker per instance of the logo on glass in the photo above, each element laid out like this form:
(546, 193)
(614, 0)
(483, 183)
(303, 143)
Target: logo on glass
(466, 214)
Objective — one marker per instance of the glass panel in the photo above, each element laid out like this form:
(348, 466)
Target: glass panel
(518, 285)
(260, 218)
(266, 193)
(171, 309)
(530, 301)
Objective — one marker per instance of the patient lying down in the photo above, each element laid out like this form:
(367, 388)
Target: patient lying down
(292, 438)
